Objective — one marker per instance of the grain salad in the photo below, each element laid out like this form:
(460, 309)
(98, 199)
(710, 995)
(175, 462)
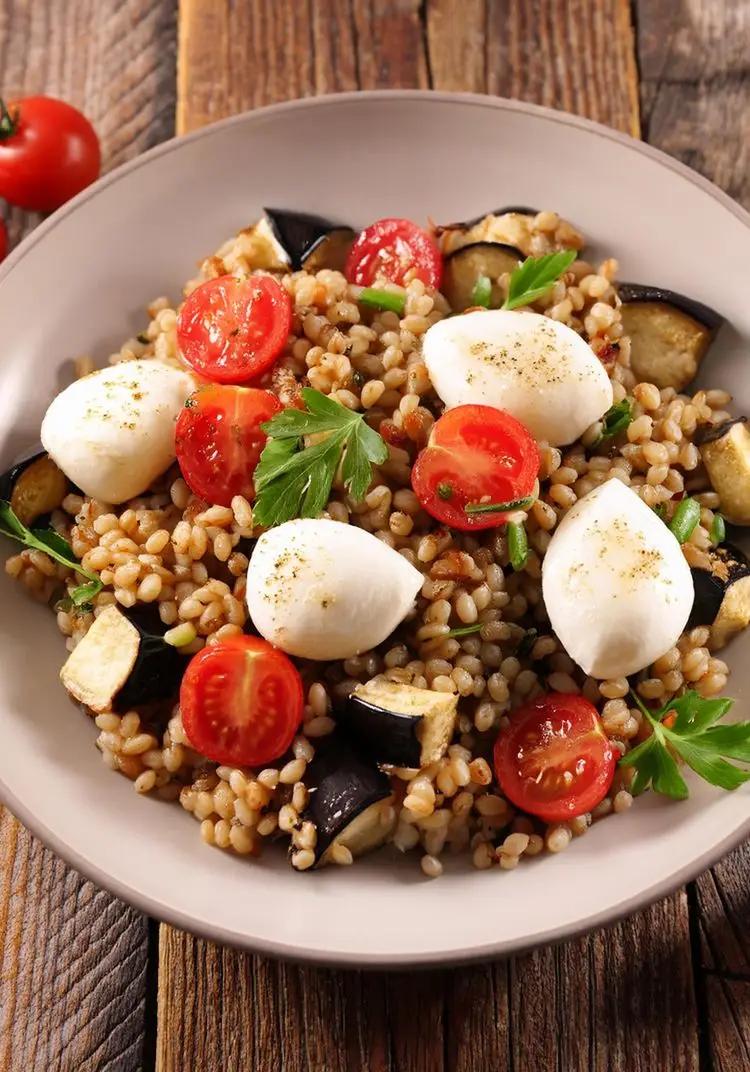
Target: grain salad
(399, 536)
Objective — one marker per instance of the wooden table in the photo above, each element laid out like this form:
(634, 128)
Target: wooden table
(89, 985)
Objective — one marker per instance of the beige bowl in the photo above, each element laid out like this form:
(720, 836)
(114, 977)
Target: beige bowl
(79, 285)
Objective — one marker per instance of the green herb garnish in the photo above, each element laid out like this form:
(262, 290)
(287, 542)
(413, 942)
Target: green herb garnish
(661, 511)
(685, 518)
(482, 292)
(52, 544)
(463, 630)
(718, 531)
(615, 420)
(444, 491)
(501, 507)
(293, 480)
(535, 276)
(696, 738)
(528, 640)
(383, 299)
(518, 546)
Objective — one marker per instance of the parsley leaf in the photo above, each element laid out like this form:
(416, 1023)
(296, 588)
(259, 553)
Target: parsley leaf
(695, 737)
(294, 480)
(535, 276)
(52, 544)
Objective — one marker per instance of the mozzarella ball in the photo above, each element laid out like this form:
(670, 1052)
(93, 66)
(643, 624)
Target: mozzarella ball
(326, 590)
(539, 370)
(112, 433)
(616, 585)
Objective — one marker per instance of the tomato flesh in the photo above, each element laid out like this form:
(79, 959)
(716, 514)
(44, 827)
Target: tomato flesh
(241, 701)
(475, 454)
(232, 330)
(218, 440)
(51, 154)
(390, 248)
(555, 760)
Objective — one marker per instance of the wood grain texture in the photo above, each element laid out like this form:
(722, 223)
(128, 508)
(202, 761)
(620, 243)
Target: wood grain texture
(568, 1007)
(73, 959)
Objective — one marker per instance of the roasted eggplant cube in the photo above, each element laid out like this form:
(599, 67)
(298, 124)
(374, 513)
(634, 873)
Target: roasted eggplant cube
(399, 724)
(463, 268)
(119, 664)
(722, 594)
(349, 801)
(669, 334)
(34, 486)
(310, 242)
(725, 450)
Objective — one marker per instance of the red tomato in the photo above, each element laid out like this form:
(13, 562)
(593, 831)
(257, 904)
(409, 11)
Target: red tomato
(389, 248)
(555, 760)
(241, 701)
(3, 240)
(231, 330)
(48, 153)
(474, 454)
(218, 439)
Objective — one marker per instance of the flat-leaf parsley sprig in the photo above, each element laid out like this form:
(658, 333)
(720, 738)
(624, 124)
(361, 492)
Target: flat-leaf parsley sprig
(294, 480)
(52, 544)
(535, 276)
(687, 726)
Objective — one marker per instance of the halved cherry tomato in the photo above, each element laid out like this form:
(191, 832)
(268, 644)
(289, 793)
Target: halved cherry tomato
(475, 454)
(389, 248)
(3, 240)
(241, 701)
(232, 330)
(48, 152)
(555, 760)
(218, 439)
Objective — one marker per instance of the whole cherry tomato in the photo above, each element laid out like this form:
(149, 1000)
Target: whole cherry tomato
(48, 153)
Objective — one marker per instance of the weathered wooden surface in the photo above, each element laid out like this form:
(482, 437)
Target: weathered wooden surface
(668, 989)
(73, 960)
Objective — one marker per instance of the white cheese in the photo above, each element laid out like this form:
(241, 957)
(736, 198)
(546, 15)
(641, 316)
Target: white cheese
(616, 585)
(540, 371)
(112, 433)
(321, 589)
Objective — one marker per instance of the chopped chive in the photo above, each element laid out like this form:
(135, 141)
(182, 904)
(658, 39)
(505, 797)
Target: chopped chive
(501, 507)
(518, 546)
(383, 299)
(686, 517)
(718, 531)
(444, 491)
(615, 420)
(181, 635)
(463, 630)
(482, 291)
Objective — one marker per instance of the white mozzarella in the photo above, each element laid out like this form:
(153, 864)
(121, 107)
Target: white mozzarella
(539, 370)
(326, 590)
(616, 585)
(112, 433)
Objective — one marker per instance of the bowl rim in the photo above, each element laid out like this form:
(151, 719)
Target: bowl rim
(162, 910)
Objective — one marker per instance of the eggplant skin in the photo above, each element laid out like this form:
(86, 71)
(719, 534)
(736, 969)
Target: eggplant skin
(722, 593)
(462, 268)
(33, 485)
(159, 667)
(367, 722)
(300, 233)
(641, 292)
(506, 210)
(341, 785)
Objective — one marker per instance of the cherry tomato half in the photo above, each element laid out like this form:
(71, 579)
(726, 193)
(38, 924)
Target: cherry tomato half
(218, 439)
(389, 249)
(48, 153)
(3, 241)
(241, 701)
(232, 330)
(475, 454)
(555, 760)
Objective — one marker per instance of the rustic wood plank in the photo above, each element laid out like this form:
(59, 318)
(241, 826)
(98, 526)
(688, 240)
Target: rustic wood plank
(696, 85)
(73, 959)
